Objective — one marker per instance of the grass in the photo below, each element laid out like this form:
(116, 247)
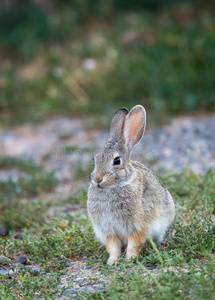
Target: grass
(185, 268)
(164, 285)
(19, 199)
(162, 59)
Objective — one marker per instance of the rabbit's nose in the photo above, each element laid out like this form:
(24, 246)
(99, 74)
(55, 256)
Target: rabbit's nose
(97, 179)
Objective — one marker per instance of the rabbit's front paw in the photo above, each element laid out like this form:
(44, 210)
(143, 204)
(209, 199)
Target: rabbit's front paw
(131, 254)
(112, 261)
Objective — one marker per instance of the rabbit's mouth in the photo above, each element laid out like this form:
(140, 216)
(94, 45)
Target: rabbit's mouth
(103, 185)
(97, 184)
(100, 186)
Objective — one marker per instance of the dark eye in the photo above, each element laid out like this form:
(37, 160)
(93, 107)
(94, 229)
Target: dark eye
(116, 161)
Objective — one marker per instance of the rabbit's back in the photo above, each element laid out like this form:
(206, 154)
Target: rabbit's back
(154, 193)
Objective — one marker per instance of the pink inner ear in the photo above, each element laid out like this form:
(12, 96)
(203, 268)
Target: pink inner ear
(134, 127)
(133, 124)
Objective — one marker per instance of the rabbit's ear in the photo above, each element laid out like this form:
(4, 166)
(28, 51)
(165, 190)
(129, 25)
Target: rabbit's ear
(117, 124)
(135, 124)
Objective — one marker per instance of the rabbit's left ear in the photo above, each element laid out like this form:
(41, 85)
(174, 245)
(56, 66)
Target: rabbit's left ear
(135, 124)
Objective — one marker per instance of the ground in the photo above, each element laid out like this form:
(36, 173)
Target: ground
(48, 249)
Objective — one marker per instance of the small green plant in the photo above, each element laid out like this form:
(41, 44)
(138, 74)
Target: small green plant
(18, 206)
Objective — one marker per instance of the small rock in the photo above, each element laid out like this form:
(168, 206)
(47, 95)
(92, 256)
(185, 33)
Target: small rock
(151, 266)
(81, 259)
(129, 271)
(87, 289)
(21, 259)
(99, 287)
(19, 266)
(66, 210)
(182, 193)
(68, 264)
(4, 272)
(80, 281)
(60, 286)
(88, 267)
(4, 260)
(29, 266)
(69, 292)
(18, 235)
(36, 269)
(3, 231)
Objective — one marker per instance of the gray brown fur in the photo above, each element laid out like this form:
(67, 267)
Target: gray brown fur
(126, 202)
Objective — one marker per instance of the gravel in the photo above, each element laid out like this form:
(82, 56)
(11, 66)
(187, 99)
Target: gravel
(187, 141)
(82, 278)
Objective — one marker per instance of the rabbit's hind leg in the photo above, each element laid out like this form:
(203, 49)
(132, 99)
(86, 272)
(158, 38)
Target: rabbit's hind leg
(158, 230)
(135, 240)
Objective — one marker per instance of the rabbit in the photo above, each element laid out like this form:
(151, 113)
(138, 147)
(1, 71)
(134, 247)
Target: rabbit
(126, 201)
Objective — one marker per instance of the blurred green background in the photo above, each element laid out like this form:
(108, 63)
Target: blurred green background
(92, 57)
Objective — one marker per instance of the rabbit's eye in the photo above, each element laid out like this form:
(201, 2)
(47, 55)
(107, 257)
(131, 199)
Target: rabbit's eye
(116, 161)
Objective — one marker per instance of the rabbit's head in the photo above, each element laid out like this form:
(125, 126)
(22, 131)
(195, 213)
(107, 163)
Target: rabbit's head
(113, 167)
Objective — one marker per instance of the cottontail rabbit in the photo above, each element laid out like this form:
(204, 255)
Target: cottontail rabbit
(126, 201)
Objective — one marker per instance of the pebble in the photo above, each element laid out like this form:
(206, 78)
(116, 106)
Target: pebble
(18, 235)
(69, 292)
(36, 269)
(99, 287)
(4, 260)
(6, 272)
(88, 267)
(19, 266)
(87, 288)
(21, 259)
(68, 264)
(151, 266)
(3, 231)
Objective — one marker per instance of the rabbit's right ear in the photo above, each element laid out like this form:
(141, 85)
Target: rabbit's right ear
(135, 124)
(117, 125)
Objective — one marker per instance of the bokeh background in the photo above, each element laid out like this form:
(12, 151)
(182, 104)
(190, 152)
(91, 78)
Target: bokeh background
(77, 57)
(65, 67)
